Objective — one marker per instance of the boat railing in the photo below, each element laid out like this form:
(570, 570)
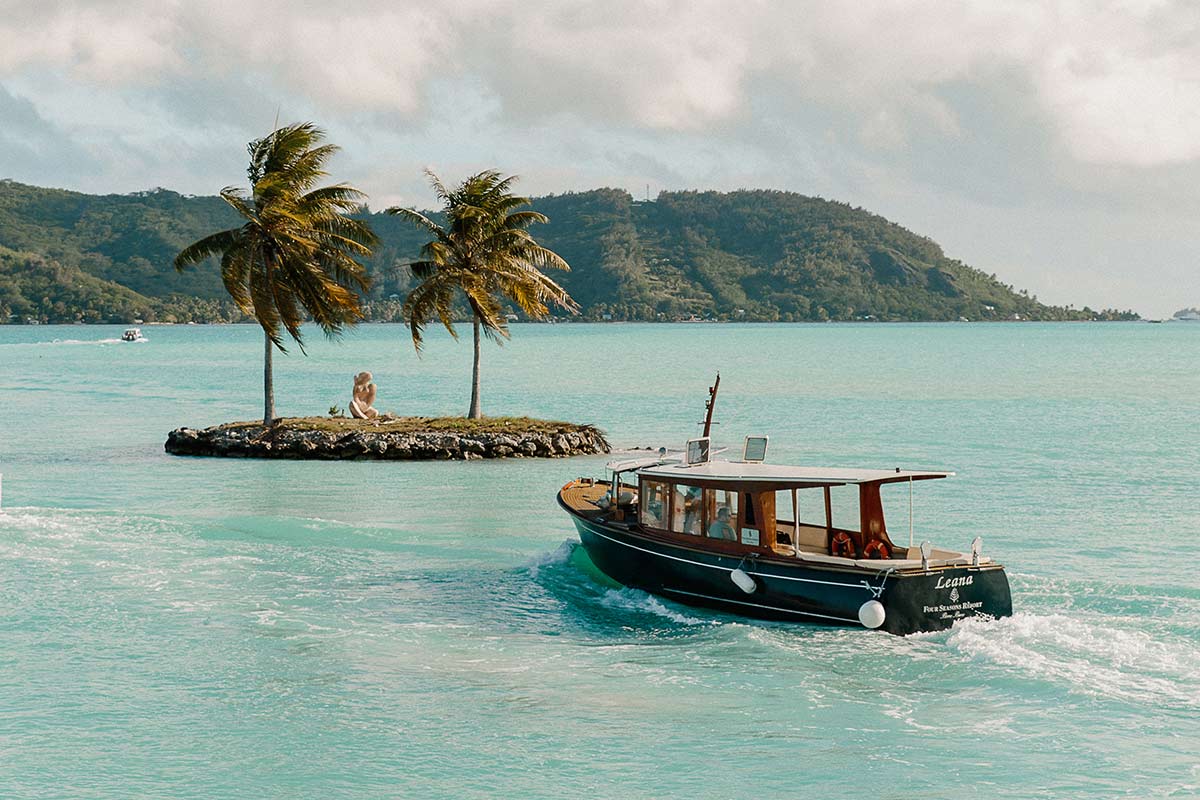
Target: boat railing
(889, 563)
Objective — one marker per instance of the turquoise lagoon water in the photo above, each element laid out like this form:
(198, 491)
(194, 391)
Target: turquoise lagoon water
(208, 628)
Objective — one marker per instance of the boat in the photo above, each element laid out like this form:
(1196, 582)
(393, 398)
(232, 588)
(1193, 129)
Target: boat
(716, 533)
(132, 335)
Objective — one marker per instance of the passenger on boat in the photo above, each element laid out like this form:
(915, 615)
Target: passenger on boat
(692, 509)
(654, 506)
(720, 527)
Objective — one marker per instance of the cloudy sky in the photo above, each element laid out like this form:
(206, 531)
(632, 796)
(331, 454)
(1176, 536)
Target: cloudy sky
(1056, 144)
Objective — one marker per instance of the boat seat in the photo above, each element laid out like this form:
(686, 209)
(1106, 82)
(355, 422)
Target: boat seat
(812, 536)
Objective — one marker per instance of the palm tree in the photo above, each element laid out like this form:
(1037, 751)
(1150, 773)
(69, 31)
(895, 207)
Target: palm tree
(483, 253)
(294, 254)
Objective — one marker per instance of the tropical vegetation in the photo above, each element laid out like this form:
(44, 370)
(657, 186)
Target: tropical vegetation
(744, 256)
(293, 255)
(483, 252)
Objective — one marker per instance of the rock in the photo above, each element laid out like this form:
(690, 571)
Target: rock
(373, 440)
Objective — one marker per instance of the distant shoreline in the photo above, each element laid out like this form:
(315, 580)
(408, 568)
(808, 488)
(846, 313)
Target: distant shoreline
(1139, 320)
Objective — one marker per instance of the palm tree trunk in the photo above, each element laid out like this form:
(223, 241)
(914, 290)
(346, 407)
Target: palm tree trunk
(475, 412)
(268, 384)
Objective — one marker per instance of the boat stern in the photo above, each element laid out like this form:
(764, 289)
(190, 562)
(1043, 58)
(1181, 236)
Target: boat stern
(936, 599)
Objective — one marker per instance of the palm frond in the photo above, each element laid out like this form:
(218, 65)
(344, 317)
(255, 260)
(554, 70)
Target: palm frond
(431, 299)
(487, 310)
(485, 252)
(439, 188)
(418, 219)
(423, 269)
(340, 197)
(523, 219)
(236, 264)
(213, 245)
(234, 197)
(295, 256)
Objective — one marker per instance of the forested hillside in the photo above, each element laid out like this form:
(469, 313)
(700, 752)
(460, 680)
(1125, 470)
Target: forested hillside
(748, 255)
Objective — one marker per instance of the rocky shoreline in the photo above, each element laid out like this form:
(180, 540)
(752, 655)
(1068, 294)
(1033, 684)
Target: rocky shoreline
(404, 439)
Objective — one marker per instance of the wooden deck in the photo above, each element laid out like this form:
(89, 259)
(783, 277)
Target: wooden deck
(582, 498)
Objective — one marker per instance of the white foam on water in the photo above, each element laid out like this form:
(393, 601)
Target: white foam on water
(62, 528)
(42, 520)
(1090, 657)
(216, 561)
(57, 342)
(642, 602)
(813, 644)
(559, 555)
(432, 626)
(319, 523)
(47, 535)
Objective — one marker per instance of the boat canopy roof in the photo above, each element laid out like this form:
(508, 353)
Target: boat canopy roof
(762, 476)
(636, 463)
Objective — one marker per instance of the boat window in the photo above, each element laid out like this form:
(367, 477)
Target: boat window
(687, 511)
(783, 505)
(845, 507)
(720, 514)
(654, 504)
(811, 505)
(785, 523)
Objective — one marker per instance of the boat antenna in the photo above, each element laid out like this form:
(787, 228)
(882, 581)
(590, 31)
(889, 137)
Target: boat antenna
(712, 401)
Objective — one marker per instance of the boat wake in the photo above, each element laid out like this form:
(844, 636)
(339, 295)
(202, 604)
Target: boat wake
(61, 533)
(45, 524)
(642, 603)
(58, 342)
(1086, 653)
(558, 556)
(1091, 658)
(568, 573)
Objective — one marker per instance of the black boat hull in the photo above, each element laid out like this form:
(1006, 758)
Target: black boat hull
(913, 600)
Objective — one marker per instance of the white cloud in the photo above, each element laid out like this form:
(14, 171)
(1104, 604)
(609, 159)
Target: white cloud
(1017, 105)
(1118, 82)
(1116, 109)
(373, 56)
(131, 46)
(661, 65)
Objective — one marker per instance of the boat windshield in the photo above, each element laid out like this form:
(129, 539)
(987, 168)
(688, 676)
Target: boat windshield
(653, 504)
(688, 510)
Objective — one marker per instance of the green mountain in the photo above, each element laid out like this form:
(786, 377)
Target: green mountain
(32, 288)
(747, 255)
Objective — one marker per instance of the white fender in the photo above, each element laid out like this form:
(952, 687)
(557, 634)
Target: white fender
(743, 581)
(871, 614)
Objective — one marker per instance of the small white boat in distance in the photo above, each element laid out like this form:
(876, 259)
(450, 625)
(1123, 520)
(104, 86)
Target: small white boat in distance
(133, 335)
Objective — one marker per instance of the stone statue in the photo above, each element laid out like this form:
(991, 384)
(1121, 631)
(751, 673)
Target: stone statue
(362, 404)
